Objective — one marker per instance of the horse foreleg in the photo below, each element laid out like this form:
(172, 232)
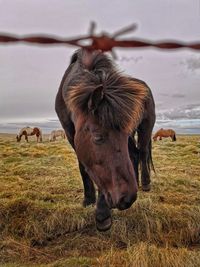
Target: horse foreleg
(39, 138)
(145, 170)
(134, 156)
(89, 190)
(103, 214)
(144, 146)
(26, 137)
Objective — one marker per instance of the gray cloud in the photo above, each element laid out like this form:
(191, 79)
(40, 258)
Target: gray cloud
(178, 95)
(191, 111)
(192, 64)
(164, 94)
(130, 58)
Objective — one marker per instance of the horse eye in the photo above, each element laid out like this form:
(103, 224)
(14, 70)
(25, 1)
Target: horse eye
(99, 139)
(86, 128)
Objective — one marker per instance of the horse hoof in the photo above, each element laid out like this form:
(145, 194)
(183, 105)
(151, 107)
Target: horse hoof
(146, 187)
(104, 225)
(87, 202)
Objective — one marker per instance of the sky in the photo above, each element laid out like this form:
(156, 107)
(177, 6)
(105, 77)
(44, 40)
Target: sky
(30, 74)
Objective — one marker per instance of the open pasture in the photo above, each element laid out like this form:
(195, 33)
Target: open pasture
(43, 223)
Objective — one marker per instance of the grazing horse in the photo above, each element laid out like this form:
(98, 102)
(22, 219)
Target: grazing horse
(57, 133)
(28, 131)
(100, 110)
(165, 133)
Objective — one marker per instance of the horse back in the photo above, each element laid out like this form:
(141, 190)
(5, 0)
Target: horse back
(26, 131)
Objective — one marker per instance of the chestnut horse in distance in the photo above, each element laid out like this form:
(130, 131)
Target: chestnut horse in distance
(28, 131)
(100, 110)
(165, 133)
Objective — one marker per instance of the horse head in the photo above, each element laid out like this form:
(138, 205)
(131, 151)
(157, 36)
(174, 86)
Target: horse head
(18, 138)
(105, 107)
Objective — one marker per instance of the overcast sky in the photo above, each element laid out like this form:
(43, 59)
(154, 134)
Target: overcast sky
(30, 75)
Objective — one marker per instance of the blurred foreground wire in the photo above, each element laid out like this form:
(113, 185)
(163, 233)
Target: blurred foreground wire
(104, 42)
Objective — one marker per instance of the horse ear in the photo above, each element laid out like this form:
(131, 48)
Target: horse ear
(88, 58)
(96, 98)
(74, 58)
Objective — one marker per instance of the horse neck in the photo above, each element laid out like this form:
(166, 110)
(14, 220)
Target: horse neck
(21, 132)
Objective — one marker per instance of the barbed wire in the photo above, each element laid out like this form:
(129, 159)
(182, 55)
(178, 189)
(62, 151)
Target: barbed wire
(104, 42)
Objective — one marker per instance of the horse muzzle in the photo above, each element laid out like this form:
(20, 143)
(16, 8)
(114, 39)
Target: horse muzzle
(126, 202)
(123, 203)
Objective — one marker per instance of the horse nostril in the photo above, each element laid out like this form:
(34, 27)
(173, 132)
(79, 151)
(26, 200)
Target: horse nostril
(126, 202)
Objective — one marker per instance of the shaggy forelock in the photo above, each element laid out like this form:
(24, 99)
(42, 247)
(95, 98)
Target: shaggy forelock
(123, 98)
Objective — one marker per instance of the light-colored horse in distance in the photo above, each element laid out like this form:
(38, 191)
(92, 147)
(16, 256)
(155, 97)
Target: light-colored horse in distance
(165, 133)
(57, 133)
(28, 131)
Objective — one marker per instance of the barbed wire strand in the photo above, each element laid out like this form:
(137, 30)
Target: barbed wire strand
(104, 42)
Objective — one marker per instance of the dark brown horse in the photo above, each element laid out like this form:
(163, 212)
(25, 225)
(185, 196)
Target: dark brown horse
(165, 133)
(28, 131)
(100, 110)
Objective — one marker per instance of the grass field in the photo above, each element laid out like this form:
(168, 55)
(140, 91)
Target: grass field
(43, 223)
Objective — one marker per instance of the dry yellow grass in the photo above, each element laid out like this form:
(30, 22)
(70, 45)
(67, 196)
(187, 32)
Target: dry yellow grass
(42, 221)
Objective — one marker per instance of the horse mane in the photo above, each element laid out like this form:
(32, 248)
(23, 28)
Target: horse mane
(122, 104)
